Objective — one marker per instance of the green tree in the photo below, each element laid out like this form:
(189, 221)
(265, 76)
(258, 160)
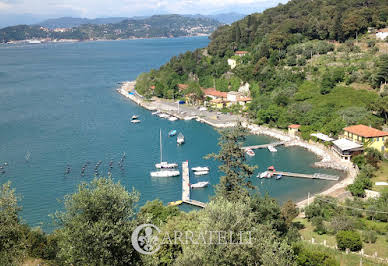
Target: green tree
(382, 70)
(97, 225)
(154, 212)
(289, 211)
(313, 256)
(349, 239)
(234, 184)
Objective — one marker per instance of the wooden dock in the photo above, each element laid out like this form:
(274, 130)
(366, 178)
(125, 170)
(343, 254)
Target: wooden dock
(309, 176)
(186, 187)
(264, 146)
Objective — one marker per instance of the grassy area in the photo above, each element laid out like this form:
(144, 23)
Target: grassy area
(381, 245)
(381, 176)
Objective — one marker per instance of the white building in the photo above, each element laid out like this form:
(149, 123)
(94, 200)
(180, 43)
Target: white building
(232, 63)
(382, 34)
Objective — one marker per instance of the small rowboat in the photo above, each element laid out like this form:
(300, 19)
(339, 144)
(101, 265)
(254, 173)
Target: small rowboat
(250, 152)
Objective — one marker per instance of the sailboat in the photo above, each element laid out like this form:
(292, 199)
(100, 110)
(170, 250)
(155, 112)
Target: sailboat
(180, 139)
(164, 165)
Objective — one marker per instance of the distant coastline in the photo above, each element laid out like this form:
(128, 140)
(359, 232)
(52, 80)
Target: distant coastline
(328, 158)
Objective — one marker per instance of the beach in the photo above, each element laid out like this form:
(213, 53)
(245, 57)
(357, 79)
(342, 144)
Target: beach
(327, 156)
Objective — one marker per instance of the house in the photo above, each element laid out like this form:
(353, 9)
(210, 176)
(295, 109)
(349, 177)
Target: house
(219, 103)
(293, 129)
(369, 136)
(214, 94)
(382, 34)
(346, 149)
(232, 63)
(241, 53)
(232, 96)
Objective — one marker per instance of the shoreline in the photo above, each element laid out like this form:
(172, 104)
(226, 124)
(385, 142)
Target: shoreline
(327, 157)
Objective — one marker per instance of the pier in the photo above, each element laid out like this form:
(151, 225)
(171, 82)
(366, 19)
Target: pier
(186, 187)
(264, 146)
(309, 176)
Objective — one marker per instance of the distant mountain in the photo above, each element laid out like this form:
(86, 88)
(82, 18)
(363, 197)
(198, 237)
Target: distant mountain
(225, 18)
(151, 27)
(70, 22)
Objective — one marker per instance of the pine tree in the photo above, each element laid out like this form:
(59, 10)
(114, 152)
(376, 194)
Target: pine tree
(234, 185)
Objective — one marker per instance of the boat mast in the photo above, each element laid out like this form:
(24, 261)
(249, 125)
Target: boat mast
(160, 139)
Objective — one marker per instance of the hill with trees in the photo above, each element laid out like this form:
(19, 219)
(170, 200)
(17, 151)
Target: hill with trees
(152, 27)
(309, 62)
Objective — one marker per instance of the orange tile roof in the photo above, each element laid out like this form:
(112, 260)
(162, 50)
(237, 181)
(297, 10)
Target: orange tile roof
(383, 30)
(182, 86)
(294, 126)
(365, 131)
(241, 52)
(215, 93)
(244, 99)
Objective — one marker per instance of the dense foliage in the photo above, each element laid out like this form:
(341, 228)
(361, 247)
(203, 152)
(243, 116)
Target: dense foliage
(303, 65)
(155, 26)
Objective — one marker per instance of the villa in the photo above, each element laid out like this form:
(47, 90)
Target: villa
(371, 137)
(293, 129)
(382, 34)
(241, 53)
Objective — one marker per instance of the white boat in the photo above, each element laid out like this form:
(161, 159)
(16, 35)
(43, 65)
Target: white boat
(155, 113)
(250, 152)
(165, 173)
(34, 42)
(166, 165)
(163, 115)
(265, 174)
(172, 118)
(272, 149)
(135, 117)
(187, 118)
(135, 121)
(163, 165)
(180, 139)
(201, 172)
(199, 184)
(200, 168)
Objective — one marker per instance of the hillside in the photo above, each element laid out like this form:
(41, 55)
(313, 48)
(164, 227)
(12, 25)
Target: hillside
(155, 26)
(70, 22)
(303, 65)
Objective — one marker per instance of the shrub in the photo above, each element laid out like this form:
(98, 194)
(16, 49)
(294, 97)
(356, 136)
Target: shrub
(349, 239)
(319, 226)
(369, 236)
(310, 255)
(341, 223)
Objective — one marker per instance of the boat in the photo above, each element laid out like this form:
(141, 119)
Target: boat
(163, 115)
(172, 133)
(201, 172)
(163, 165)
(200, 184)
(165, 173)
(155, 113)
(265, 174)
(136, 121)
(166, 165)
(250, 152)
(272, 149)
(278, 177)
(187, 118)
(172, 118)
(200, 168)
(135, 117)
(175, 203)
(180, 139)
(34, 42)
(27, 156)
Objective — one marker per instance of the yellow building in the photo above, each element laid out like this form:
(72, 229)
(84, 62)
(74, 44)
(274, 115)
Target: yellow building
(293, 129)
(372, 137)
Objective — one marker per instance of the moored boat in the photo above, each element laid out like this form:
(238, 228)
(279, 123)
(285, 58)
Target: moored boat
(265, 174)
(201, 173)
(200, 184)
(278, 177)
(200, 168)
(250, 152)
(166, 165)
(180, 139)
(175, 203)
(172, 133)
(272, 149)
(135, 117)
(136, 121)
(172, 118)
(165, 173)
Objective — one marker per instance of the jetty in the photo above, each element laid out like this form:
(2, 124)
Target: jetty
(186, 187)
(264, 146)
(309, 176)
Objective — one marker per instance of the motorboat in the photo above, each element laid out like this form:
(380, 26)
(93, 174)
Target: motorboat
(136, 121)
(278, 177)
(200, 184)
(166, 165)
(163, 115)
(172, 133)
(187, 118)
(265, 174)
(155, 113)
(250, 152)
(135, 117)
(180, 139)
(175, 203)
(200, 168)
(201, 173)
(272, 149)
(165, 173)
(172, 118)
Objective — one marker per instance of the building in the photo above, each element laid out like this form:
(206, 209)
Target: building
(369, 136)
(346, 148)
(241, 53)
(382, 34)
(182, 87)
(293, 129)
(214, 94)
(232, 63)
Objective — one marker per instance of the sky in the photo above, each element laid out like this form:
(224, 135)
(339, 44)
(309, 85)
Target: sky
(41, 9)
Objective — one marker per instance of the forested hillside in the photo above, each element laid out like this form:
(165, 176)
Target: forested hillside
(309, 62)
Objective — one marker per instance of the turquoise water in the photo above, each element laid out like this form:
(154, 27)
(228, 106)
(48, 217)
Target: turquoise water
(58, 103)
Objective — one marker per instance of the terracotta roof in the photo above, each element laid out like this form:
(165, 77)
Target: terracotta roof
(294, 126)
(215, 93)
(383, 30)
(365, 131)
(182, 86)
(241, 52)
(152, 87)
(219, 101)
(244, 99)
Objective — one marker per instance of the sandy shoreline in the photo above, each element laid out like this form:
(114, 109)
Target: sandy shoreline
(328, 158)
